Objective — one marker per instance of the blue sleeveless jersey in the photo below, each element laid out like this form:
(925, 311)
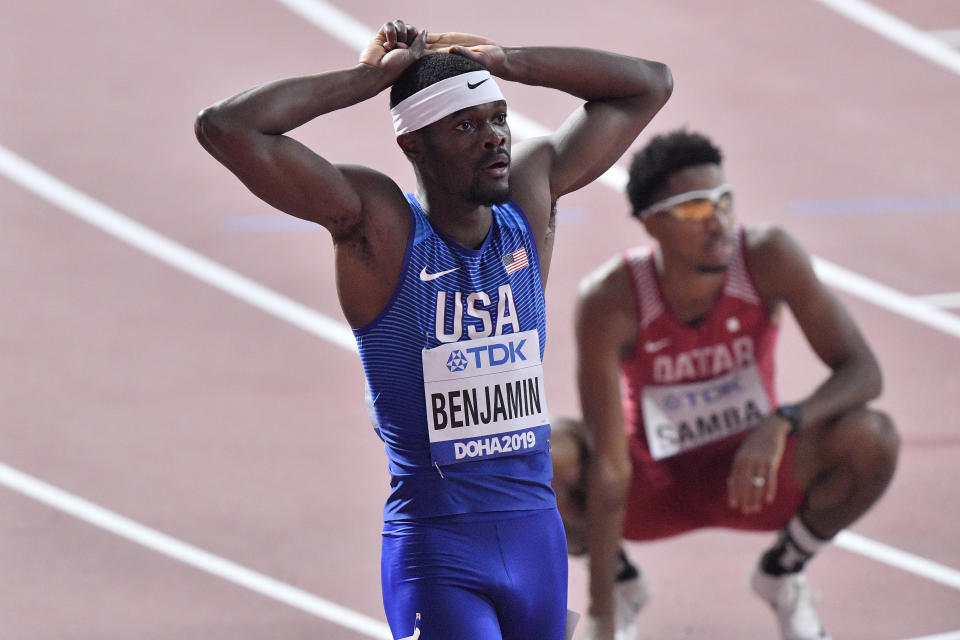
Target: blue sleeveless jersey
(454, 374)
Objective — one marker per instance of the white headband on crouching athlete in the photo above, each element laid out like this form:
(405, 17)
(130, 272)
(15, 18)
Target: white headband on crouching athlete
(442, 98)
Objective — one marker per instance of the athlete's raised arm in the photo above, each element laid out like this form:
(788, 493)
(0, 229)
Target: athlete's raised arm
(621, 94)
(246, 133)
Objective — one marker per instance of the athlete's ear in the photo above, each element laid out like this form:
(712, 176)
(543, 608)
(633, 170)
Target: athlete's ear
(652, 225)
(411, 144)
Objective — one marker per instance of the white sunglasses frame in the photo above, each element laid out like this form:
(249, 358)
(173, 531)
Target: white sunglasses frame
(713, 195)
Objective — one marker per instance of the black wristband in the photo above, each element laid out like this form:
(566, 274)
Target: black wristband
(792, 414)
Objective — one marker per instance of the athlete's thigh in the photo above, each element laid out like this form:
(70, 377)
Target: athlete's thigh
(773, 515)
(443, 573)
(533, 603)
(689, 492)
(444, 611)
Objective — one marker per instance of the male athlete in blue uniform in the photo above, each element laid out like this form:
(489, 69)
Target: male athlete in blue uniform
(444, 290)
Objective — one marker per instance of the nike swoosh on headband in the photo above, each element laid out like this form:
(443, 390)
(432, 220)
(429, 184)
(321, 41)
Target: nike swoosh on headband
(442, 98)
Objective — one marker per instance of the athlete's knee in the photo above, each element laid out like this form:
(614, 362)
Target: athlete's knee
(870, 443)
(859, 456)
(567, 448)
(884, 443)
(569, 452)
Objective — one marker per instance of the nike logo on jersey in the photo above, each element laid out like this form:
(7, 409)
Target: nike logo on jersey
(474, 85)
(653, 347)
(427, 277)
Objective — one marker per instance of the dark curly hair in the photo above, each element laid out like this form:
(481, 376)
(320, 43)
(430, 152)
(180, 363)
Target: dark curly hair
(429, 69)
(663, 156)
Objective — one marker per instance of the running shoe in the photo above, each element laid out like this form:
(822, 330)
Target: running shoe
(630, 596)
(792, 602)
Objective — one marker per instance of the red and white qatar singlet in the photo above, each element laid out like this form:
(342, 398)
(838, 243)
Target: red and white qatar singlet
(688, 388)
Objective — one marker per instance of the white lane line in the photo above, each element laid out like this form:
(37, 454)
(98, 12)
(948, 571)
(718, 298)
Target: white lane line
(950, 635)
(188, 554)
(893, 28)
(335, 22)
(172, 253)
(894, 557)
(887, 297)
(950, 37)
(341, 26)
(942, 300)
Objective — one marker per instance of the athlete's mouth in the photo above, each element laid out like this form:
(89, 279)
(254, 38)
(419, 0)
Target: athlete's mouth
(498, 166)
(720, 248)
(497, 161)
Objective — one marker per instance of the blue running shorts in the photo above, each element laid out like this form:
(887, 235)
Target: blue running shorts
(483, 576)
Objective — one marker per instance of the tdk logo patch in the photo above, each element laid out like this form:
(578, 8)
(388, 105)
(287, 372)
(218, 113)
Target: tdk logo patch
(495, 354)
(457, 361)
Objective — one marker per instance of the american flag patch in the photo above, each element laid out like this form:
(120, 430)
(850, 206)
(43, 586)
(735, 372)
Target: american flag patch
(516, 260)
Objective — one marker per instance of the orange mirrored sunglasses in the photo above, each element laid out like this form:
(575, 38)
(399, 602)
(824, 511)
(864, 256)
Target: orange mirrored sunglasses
(695, 206)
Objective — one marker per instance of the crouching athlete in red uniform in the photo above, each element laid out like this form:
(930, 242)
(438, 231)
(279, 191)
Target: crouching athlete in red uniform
(698, 439)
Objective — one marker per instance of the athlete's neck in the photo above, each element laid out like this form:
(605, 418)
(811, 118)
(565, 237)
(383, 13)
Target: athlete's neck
(688, 292)
(466, 223)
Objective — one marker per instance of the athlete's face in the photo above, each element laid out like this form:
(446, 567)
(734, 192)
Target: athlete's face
(705, 245)
(468, 154)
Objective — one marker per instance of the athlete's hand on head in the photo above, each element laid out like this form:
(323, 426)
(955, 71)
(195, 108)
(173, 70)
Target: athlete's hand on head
(752, 483)
(477, 48)
(396, 46)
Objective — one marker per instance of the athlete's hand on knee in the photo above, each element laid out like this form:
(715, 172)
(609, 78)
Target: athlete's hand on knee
(752, 483)
(395, 47)
(477, 48)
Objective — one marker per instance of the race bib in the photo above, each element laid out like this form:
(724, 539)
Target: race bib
(485, 398)
(681, 417)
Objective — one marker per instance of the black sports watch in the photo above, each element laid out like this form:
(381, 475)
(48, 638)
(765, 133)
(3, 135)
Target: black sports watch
(792, 414)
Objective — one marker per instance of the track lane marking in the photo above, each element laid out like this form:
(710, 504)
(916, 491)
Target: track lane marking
(943, 300)
(188, 554)
(174, 254)
(898, 31)
(950, 635)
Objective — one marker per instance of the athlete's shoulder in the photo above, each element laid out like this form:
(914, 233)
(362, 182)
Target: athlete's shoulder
(379, 192)
(610, 276)
(776, 260)
(606, 309)
(511, 215)
(765, 240)
(607, 287)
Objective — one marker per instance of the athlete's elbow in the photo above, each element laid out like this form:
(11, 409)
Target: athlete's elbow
(663, 81)
(210, 125)
(657, 84)
(651, 91)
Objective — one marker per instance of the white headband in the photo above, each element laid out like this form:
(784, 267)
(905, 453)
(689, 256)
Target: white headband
(443, 98)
